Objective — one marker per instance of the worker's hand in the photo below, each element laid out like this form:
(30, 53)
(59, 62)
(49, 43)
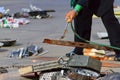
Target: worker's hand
(71, 15)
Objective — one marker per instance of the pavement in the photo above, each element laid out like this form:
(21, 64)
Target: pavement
(37, 30)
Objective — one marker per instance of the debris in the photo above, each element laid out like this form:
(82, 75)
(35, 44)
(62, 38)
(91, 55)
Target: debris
(21, 15)
(38, 14)
(117, 10)
(52, 76)
(99, 54)
(34, 12)
(25, 70)
(75, 68)
(31, 50)
(3, 10)
(8, 41)
(64, 67)
(34, 8)
(1, 44)
(3, 70)
(22, 21)
(11, 22)
(40, 67)
(8, 21)
(111, 76)
(75, 76)
(102, 35)
(89, 50)
(1, 15)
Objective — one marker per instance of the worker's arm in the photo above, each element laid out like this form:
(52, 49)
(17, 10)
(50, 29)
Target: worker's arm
(73, 13)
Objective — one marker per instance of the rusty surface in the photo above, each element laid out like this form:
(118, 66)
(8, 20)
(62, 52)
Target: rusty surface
(110, 64)
(75, 76)
(75, 44)
(46, 58)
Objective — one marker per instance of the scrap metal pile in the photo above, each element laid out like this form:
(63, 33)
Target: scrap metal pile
(73, 68)
(65, 68)
(9, 21)
(33, 12)
(31, 50)
(19, 18)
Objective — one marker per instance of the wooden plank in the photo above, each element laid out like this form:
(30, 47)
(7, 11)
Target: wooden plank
(25, 70)
(76, 44)
(110, 64)
(49, 65)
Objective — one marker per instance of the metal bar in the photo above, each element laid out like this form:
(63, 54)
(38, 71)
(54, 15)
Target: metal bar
(76, 44)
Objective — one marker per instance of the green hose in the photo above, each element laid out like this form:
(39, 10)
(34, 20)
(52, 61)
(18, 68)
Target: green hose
(90, 42)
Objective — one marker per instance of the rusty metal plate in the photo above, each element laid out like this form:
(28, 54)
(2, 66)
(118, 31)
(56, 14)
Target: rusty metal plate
(76, 44)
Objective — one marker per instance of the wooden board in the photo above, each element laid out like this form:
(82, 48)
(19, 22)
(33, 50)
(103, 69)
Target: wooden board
(76, 44)
(110, 64)
(25, 70)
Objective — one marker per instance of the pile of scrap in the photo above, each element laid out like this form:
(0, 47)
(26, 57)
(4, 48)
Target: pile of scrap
(19, 18)
(11, 22)
(31, 50)
(4, 12)
(65, 67)
(34, 12)
(75, 68)
(8, 21)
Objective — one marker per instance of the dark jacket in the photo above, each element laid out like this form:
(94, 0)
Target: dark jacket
(98, 6)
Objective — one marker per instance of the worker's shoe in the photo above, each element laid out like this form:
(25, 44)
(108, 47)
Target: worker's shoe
(70, 54)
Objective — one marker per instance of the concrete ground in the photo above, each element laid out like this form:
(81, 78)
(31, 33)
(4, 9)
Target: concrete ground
(39, 29)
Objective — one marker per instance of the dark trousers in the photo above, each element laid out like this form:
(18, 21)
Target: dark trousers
(83, 22)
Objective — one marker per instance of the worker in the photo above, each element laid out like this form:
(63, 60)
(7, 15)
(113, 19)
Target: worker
(82, 13)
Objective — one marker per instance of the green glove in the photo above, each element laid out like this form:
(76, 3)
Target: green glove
(72, 3)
